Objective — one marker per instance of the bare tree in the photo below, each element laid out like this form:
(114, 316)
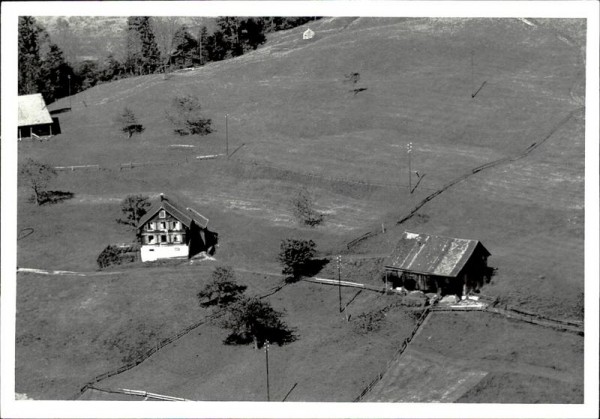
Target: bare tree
(38, 175)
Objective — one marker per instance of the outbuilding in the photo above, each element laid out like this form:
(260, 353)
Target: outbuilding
(308, 34)
(34, 118)
(444, 265)
(172, 230)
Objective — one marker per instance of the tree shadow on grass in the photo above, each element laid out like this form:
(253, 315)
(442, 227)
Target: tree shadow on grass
(54, 197)
(279, 336)
(310, 268)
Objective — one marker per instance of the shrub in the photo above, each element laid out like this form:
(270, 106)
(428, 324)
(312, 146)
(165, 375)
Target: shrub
(128, 123)
(115, 255)
(304, 211)
(185, 115)
(368, 322)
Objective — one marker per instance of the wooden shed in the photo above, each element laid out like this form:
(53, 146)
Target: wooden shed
(444, 265)
(308, 34)
(34, 118)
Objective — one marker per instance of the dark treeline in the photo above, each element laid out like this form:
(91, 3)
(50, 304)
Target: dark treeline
(152, 45)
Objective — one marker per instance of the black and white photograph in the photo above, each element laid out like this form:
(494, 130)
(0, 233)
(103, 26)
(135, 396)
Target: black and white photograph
(300, 209)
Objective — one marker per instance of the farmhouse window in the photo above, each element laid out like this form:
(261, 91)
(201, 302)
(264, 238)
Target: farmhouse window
(177, 238)
(152, 226)
(175, 225)
(163, 238)
(163, 225)
(162, 214)
(149, 239)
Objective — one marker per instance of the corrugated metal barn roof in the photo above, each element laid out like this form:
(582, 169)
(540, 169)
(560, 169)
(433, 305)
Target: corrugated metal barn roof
(32, 110)
(184, 214)
(434, 255)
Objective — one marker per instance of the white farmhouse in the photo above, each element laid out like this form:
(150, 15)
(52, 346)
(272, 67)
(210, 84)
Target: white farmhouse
(170, 230)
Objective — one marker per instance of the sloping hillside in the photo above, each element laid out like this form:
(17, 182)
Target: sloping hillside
(464, 91)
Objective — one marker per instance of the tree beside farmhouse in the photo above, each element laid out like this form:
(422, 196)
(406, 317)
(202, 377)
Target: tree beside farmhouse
(134, 207)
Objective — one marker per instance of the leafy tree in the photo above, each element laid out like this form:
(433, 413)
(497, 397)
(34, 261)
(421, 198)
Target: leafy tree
(184, 48)
(134, 207)
(295, 256)
(222, 290)
(229, 28)
(279, 23)
(185, 115)
(29, 55)
(128, 123)
(87, 74)
(252, 33)
(143, 56)
(111, 69)
(304, 211)
(216, 46)
(203, 55)
(38, 175)
(254, 320)
(55, 72)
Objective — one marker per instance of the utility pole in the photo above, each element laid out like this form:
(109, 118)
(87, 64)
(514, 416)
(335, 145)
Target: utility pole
(69, 77)
(339, 265)
(472, 71)
(226, 136)
(409, 152)
(267, 362)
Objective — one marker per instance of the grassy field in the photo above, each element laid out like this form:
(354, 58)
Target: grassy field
(480, 357)
(291, 106)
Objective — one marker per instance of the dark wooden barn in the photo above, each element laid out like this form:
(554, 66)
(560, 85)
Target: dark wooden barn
(443, 265)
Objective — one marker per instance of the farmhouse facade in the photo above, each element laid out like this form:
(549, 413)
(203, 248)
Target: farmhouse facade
(438, 264)
(170, 230)
(308, 34)
(34, 118)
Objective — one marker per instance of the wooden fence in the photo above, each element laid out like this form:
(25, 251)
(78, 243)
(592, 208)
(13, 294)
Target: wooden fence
(335, 282)
(153, 350)
(396, 355)
(81, 167)
(473, 171)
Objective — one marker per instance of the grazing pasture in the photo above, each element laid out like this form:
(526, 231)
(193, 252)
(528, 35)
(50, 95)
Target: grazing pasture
(297, 123)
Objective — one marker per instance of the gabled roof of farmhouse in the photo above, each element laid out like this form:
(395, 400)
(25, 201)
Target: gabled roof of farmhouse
(32, 110)
(432, 255)
(184, 214)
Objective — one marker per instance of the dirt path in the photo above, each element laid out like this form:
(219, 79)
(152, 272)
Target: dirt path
(68, 273)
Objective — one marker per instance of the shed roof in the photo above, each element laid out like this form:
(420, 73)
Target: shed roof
(32, 110)
(434, 255)
(184, 214)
